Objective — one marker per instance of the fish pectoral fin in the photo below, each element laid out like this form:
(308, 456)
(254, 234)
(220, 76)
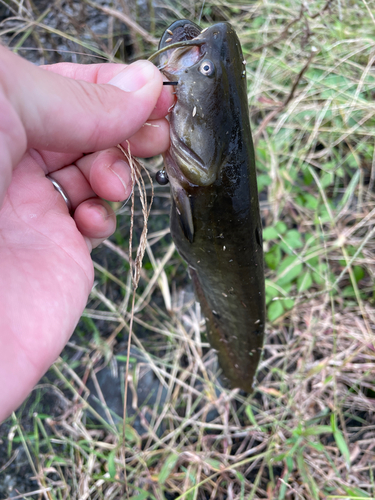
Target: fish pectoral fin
(184, 213)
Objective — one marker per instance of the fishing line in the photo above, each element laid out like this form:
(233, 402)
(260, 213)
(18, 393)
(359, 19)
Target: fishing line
(135, 265)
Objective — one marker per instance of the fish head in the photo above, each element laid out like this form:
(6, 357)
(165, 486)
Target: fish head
(205, 122)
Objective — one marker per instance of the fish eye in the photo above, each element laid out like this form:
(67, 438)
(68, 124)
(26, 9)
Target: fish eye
(207, 68)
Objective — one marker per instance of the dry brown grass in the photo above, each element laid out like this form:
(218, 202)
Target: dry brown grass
(308, 431)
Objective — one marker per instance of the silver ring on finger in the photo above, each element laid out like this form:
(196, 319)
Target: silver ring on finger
(58, 188)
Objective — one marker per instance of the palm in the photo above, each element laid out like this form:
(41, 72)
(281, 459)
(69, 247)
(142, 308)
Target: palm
(46, 271)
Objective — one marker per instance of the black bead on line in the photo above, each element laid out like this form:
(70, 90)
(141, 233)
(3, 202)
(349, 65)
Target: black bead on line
(170, 83)
(161, 177)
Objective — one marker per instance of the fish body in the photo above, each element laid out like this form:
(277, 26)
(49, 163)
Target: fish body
(215, 219)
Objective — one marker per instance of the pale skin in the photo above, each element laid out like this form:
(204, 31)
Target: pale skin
(63, 120)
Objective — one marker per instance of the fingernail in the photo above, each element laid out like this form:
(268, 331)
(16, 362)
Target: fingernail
(121, 170)
(134, 77)
(100, 209)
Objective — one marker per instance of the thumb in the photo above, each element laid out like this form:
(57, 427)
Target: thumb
(44, 110)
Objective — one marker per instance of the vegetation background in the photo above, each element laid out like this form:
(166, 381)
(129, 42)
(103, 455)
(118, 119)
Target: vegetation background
(308, 430)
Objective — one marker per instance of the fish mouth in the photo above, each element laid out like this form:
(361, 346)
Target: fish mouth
(180, 31)
(186, 55)
(191, 165)
(173, 62)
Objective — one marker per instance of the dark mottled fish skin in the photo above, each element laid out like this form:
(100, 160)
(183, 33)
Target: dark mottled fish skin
(215, 219)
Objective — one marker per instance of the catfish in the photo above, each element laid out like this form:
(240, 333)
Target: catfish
(215, 218)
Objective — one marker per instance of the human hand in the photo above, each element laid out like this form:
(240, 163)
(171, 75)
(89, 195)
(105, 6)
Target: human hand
(48, 122)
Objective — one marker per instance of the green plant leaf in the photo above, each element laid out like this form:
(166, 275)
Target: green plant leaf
(270, 233)
(141, 495)
(307, 177)
(342, 446)
(319, 276)
(347, 292)
(281, 227)
(327, 179)
(289, 269)
(306, 476)
(349, 191)
(263, 181)
(120, 357)
(214, 464)
(167, 468)
(304, 281)
(317, 430)
(131, 434)
(275, 310)
(359, 273)
(288, 304)
(292, 240)
(272, 290)
(273, 257)
(333, 422)
(355, 492)
(111, 464)
(289, 463)
(250, 416)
